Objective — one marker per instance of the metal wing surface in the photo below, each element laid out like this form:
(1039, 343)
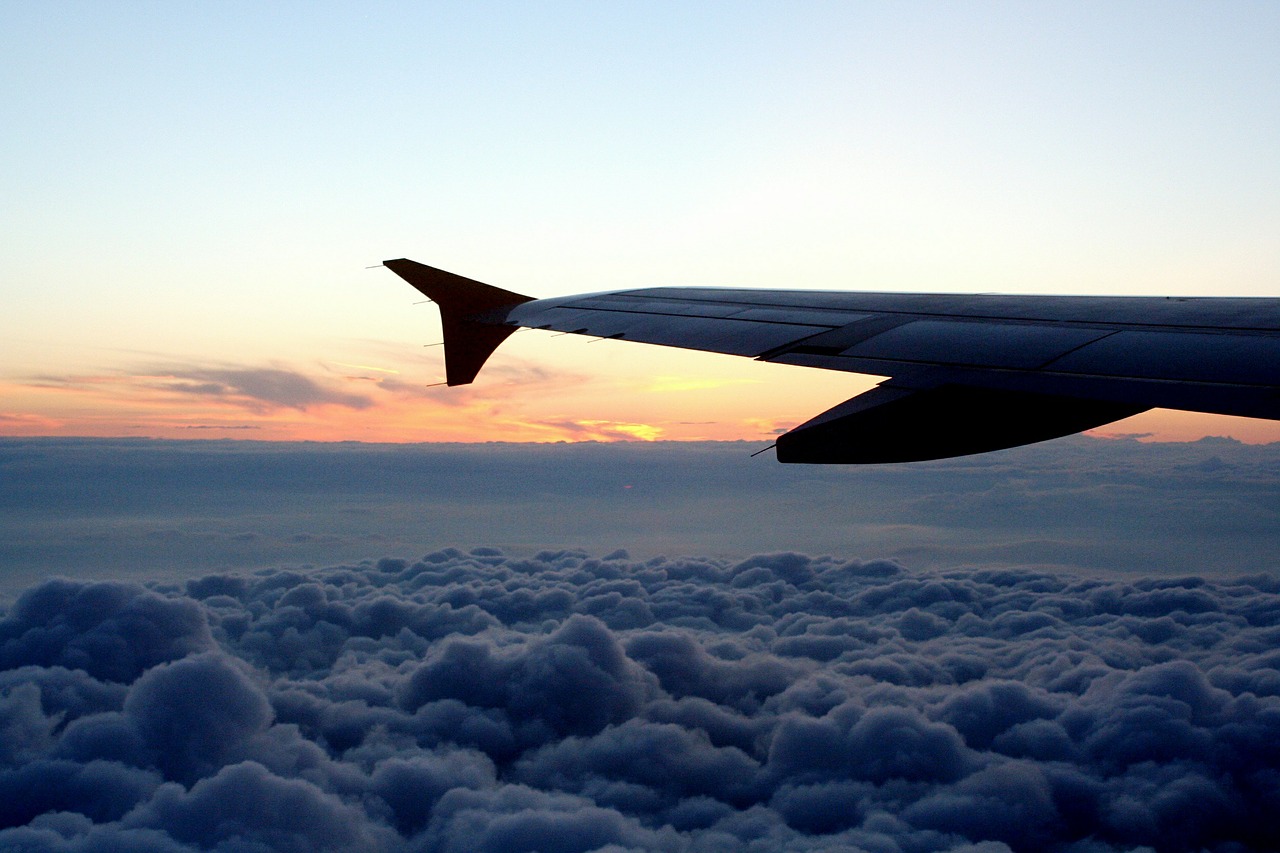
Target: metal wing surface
(967, 373)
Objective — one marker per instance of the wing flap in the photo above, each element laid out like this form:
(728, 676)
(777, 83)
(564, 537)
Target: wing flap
(1016, 346)
(1239, 359)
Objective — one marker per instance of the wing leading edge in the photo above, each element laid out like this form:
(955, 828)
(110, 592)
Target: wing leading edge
(968, 373)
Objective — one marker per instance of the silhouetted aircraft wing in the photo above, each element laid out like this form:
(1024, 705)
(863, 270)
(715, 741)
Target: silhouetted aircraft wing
(968, 373)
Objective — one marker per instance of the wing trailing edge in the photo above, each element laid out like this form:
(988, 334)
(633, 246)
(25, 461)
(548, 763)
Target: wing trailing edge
(896, 424)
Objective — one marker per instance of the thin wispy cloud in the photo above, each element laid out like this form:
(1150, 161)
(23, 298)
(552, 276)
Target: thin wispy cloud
(365, 367)
(20, 423)
(342, 400)
(255, 388)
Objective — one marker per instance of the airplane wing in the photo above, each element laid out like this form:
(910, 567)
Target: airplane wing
(967, 373)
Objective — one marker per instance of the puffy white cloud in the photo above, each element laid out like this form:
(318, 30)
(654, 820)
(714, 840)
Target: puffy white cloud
(472, 700)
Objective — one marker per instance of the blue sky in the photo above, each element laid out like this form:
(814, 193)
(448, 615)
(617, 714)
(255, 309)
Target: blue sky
(193, 186)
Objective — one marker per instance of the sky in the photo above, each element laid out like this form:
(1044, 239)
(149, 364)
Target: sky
(192, 194)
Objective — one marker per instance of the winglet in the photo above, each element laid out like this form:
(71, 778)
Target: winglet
(467, 311)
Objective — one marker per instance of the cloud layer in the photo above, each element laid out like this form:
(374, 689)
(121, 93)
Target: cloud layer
(145, 509)
(483, 701)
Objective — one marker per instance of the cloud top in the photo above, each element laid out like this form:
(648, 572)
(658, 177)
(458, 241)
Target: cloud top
(481, 701)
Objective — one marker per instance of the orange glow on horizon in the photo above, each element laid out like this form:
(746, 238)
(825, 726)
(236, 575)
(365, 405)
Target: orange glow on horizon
(715, 398)
(1171, 425)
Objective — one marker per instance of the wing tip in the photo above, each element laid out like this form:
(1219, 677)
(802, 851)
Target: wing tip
(468, 341)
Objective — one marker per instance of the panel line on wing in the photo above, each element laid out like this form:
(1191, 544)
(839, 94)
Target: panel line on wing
(1246, 314)
(717, 311)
